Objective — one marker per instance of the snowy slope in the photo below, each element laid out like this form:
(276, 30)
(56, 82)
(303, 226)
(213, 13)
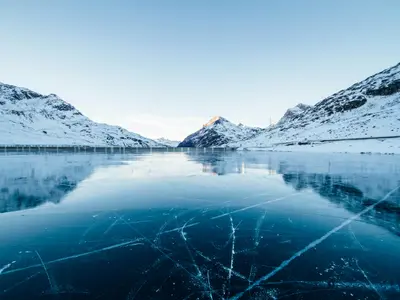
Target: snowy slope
(27, 117)
(167, 142)
(368, 108)
(373, 146)
(218, 131)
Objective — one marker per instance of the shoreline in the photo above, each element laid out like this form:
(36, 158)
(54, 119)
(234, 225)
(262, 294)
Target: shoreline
(376, 147)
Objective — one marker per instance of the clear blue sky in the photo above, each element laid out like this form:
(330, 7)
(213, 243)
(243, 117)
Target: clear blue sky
(163, 68)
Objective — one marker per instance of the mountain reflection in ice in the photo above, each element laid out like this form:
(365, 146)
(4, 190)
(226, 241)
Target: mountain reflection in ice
(351, 181)
(161, 226)
(27, 181)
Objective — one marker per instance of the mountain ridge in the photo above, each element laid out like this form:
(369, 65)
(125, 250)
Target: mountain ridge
(28, 117)
(368, 108)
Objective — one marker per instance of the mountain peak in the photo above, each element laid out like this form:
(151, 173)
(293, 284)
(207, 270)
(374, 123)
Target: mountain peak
(294, 112)
(215, 120)
(303, 106)
(222, 133)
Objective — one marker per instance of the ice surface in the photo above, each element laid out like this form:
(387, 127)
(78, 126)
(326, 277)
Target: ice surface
(270, 226)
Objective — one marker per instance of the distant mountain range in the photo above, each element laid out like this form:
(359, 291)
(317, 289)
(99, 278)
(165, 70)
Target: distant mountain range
(167, 142)
(369, 108)
(27, 117)
(217, 132)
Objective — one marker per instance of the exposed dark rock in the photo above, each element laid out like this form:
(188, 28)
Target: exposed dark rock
(353, 104)
(385, 90)
(18, 113)
(29, 94)
(64, 107)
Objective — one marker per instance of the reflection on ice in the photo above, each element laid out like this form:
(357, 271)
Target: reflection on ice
(277, 226)
(27, 181)
(352, 181)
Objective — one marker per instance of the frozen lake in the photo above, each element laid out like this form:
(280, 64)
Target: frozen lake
(195, 225)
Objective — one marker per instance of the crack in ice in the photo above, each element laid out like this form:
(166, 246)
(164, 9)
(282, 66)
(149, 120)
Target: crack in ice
(257, 230)
(45, 269)
(183, 234)
(237, 274)
(6, 267)
(254, 205)
(132, 294)
(252, 274)
(111, 226)
(130, 243)
(371, 285)
(179, 228)
(170, 258)
(313, 244)
(188, 250)
(157, 238)
(22, 282)
(94, 224)
(340, 285)
(233, 247)
(209, 285)
(356, 239)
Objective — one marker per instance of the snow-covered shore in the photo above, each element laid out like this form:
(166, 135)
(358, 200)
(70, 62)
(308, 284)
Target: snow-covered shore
(386, 146)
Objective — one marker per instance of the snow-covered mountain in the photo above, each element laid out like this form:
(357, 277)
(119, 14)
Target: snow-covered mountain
(27, 117)
(168, 142)
(219, 131)
(369, 108)
(293, 113)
